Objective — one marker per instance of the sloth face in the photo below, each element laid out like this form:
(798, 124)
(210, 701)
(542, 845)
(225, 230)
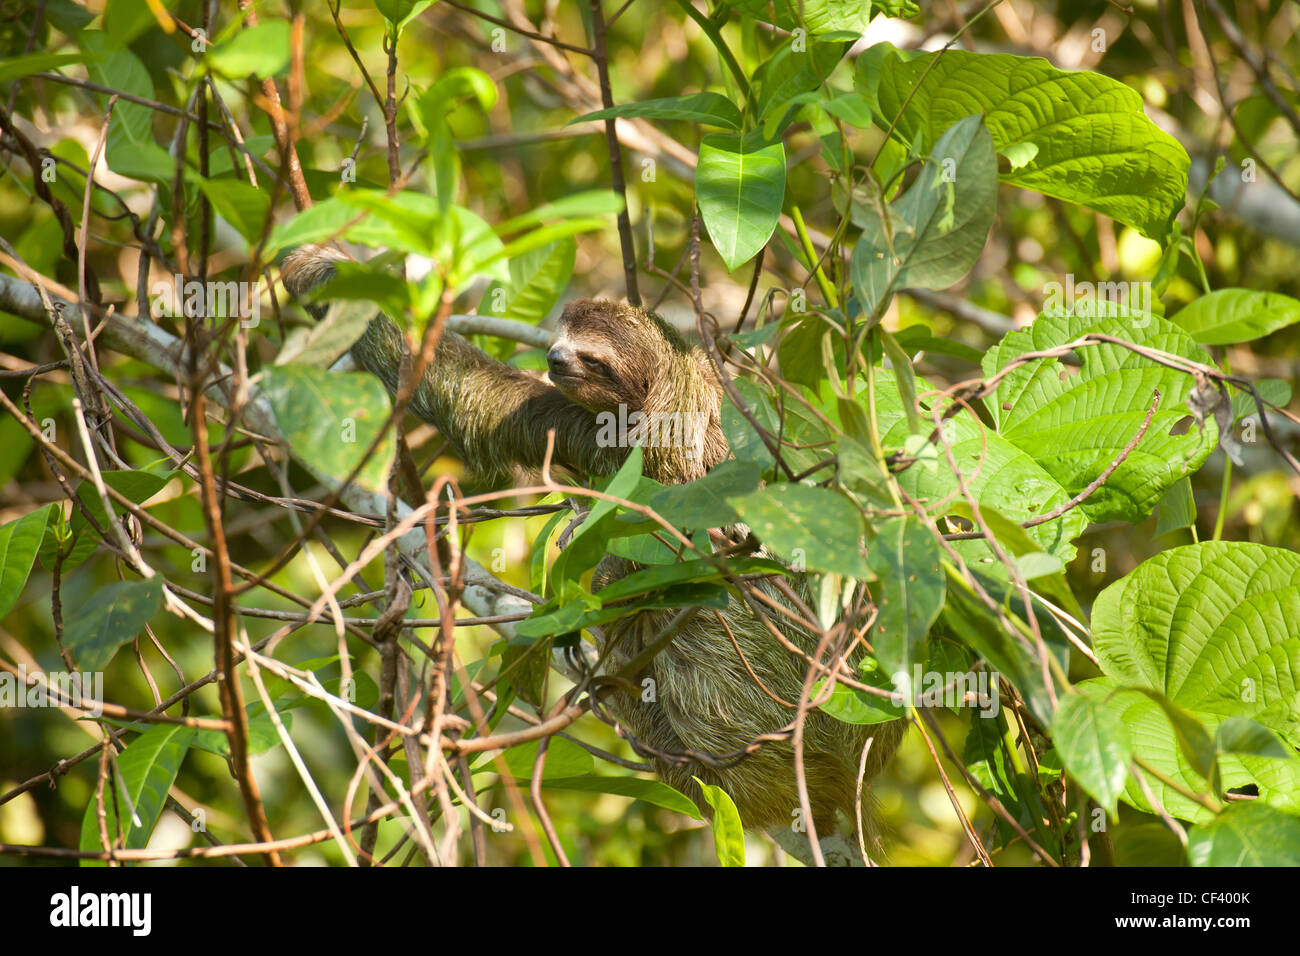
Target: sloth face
(606, 355)
(584, 372)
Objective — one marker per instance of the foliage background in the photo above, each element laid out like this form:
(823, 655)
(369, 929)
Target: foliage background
(522, 154)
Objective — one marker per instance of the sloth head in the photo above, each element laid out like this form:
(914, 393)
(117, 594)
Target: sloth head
(607, 353)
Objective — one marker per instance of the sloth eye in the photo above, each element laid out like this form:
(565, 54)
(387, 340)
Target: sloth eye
(595, 365)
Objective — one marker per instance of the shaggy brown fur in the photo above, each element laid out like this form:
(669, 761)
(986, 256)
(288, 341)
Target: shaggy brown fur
(705, 698)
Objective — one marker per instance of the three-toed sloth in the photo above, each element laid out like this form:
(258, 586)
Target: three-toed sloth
(724, 680)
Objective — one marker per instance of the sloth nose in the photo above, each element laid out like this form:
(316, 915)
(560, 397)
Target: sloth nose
(559, 360)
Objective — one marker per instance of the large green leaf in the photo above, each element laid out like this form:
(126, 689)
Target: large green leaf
(1094, 746)
(792, 71)
(905, 557)
(652, 792)
(243, 206)
(124, 20)
(745, 443)
(331, 419)
(148, 767)
(111, 64)
(1178, 744)
(1076, 425)
(259, 51)
(21, 66)
(1078, 136)
(937, 229)
(564, 758)
(740, 185)
(537, 278)
(1227, 316)
(108, 619)
(1246, 834)
(19, 541)
(1213, 626)
(818, 16)
(997, 473)
(703, 503)
(136, 486)
(815, 527)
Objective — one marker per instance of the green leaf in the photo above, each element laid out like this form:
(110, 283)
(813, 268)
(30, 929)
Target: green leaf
(124, 20)
(108, 619)
(262, 735)
(136, 486)
(1177, 509)
(1002, 478)
(148, 767)
(259, 51)
(322, 344)
(584, 205)
(728, 833)
(1275, 390)
(19, 541)
(647, 791)
(745, 443)
(1047, 571)
(818, 16)
(698, 571)
(144, 161)
(577, 615)
(740, 185)
(712, 109)
(21, 66)
(1241, 735)
(1214, 626)
(320, 222)
(1228, 316)
(586, 546)
(944, 220)
(243, 206)
(905, 556)
(813, 528)
(793, 70)
(564, 758)
(331, 419)
(430, 115)
(1177, 744)
(525, 667)
(399, 13)
(406, 220)
(702, 503)
(1076, 425)
(853, 706)
(537, 278)
(1246, 834)
(111, 64)
(1095, 145)
(986, 756)
(1094, 746)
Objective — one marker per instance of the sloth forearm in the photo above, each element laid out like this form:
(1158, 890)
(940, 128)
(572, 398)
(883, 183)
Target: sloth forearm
(493, 415)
